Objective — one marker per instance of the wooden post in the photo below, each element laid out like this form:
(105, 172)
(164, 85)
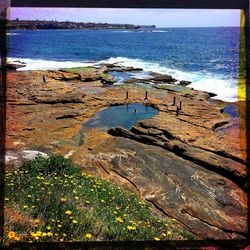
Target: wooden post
(180, 105)
(146, 95)
(173, 101)
(126, 95)
(177, 111)
(44, 79)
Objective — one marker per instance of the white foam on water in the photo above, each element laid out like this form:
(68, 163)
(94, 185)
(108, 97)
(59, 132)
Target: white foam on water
(159, 31)
(12, 34)
(225, 90)
(123, 31)
(39, 64)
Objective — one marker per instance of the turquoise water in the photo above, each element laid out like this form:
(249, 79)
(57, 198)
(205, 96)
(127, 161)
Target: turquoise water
(121, 116)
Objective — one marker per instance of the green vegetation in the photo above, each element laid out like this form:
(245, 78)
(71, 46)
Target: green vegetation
(104, 75)
(65, 204)
(79, 70)
(176, 88)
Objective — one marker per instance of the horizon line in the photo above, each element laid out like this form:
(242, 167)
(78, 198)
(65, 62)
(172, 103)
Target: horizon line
(127, 24)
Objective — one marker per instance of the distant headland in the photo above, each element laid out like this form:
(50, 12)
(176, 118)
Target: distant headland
(39, 24)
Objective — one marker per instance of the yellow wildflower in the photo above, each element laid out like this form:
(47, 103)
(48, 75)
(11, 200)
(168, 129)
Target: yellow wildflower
(115, 212)
(38, 233)
(68, 212)
(74, 221)
(119, 219)
(36, 221)
(48, 227)
(156, 238)
(33, 234)
(11, 234)
(50, 234)
(169, 232)
(166, 225)
(164, 235)
(63, 199)
(44, 234)
(59, 225)
(25, 206)
(88, 235)
(76, 197)
(131, 228)
(6, 199)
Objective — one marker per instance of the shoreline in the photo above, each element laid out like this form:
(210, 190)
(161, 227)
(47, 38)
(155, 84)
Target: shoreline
(49, 115)
(41, 64)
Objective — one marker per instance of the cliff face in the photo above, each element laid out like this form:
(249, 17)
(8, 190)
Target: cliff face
(30, 24)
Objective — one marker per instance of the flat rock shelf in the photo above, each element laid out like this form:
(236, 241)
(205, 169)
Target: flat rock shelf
(190, 166)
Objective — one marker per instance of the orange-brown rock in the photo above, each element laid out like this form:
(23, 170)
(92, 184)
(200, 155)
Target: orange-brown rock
(192, 169)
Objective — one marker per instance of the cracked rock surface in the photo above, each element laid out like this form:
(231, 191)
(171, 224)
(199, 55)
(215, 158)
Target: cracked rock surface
(191, 167)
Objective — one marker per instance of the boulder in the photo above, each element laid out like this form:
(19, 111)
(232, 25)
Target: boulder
(164, 78)
(15, 158)
(90, 77)
(70, 76)
(122, 69)
(14, 65)
(184, 83)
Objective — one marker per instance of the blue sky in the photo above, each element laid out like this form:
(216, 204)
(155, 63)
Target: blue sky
(159, 17)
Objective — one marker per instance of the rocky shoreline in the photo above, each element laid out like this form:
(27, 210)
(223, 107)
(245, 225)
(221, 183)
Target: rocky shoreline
(189, 160)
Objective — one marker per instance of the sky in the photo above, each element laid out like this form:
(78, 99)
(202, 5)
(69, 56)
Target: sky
(159, 17)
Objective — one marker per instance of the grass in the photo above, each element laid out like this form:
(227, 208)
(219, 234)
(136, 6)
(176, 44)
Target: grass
(104, 75)
(65, 204)
(79, 70)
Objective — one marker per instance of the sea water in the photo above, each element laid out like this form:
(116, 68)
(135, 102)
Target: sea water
(209, 57)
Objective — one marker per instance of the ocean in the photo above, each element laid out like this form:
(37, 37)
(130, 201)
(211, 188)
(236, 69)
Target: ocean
(208, 57)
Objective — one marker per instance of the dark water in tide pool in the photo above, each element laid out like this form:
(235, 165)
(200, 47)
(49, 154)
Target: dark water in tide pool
(121, 116)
